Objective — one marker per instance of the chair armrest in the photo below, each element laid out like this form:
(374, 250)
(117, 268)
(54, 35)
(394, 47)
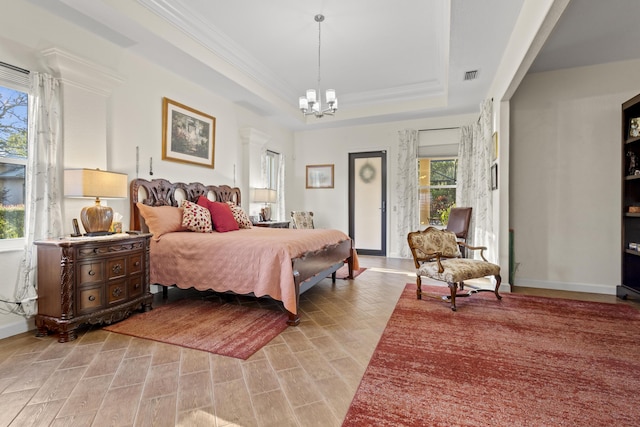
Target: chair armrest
(429, 258)
(475, 248)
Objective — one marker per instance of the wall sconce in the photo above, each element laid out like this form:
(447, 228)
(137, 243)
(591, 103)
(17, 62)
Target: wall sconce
(266, 196)
(96, 219)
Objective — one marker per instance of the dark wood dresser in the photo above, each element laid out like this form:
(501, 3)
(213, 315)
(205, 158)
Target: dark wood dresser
(91, 280)
(272, 224)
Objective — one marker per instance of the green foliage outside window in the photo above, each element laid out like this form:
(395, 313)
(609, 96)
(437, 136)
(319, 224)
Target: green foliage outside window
(13, 157)
(11, 222)
(437, 181)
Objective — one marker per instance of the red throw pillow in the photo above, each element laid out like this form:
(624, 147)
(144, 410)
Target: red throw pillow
(221, 215)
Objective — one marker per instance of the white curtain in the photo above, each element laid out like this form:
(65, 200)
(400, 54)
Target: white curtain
(43, 213)
(474, 178)
(280, 188)
(407, 188)
(278, 213)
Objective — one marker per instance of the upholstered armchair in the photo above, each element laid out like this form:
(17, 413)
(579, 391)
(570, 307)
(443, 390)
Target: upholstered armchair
(436, 255)
(302, 219)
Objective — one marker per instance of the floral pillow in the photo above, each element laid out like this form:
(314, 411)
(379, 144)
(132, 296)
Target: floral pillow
(196, 218)
(240, 216)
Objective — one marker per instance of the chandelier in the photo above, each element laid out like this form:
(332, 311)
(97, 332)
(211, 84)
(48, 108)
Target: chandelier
(311, 103)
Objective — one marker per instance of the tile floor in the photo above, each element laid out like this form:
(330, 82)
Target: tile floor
(306, 376)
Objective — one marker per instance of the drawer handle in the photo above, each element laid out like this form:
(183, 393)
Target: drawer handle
(92, 298)
(95, 250)
(117, 268)
(136, 286)
(116, 292)
(136, 264)
(92, 273)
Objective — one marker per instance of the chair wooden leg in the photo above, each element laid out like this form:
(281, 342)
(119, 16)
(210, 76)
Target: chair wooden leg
(454, 291)
(419, 287)
(498, 281)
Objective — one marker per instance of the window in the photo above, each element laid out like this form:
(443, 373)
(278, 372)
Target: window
(272, 159)
(437, 188)
(13, 151)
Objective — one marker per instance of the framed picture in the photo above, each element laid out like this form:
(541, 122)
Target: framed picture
(188, 135)
(495, 145)
(319, 176)
(494, 176)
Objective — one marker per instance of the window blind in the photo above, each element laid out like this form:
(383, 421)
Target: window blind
(438, 142)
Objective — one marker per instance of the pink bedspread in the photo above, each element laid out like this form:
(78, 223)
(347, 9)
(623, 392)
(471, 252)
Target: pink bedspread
(256, 260)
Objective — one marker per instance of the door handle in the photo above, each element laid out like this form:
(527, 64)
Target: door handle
(384, 207)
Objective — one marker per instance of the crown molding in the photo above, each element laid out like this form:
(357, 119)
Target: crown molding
(178, 14)
(80, 72)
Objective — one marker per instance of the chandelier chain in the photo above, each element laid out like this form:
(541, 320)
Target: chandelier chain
(319, 18)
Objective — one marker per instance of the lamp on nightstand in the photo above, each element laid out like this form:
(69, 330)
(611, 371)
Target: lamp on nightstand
(266, 196)
(96, 183)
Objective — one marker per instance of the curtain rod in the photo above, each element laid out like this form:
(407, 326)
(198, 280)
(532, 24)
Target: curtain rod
(425, 130)
(14, 68)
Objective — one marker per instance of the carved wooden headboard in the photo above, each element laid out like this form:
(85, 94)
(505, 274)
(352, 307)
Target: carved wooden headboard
(160, 192)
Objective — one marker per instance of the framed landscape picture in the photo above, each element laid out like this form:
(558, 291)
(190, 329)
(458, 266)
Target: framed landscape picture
(494, 176)
(319, 176)
(188, 135)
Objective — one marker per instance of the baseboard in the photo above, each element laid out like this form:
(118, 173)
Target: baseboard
(19, 326)
(567, 286)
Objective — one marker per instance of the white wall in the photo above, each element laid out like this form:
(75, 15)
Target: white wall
(332, 146)
(565, 198)
(132, 116)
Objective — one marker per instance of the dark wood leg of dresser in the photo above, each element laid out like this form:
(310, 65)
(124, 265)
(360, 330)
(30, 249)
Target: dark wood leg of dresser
(65, 335)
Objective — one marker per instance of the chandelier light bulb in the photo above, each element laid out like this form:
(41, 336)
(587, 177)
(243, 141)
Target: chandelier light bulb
(330, 96)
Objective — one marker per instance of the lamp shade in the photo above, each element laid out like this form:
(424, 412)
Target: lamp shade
(96, 219)
(94, 183)
(264, 195)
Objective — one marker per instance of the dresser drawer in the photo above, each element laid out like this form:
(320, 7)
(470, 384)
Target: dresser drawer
(89, 299)
(91, 272)
(116, 291)
(100, 250)
(135, 263)
(136, 286)
(116, 267)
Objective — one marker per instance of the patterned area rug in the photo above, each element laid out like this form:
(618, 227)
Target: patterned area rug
(522, 361)
(213, 326)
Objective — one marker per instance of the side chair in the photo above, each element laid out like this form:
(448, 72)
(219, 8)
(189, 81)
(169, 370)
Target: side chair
(436, 255)
(459, 220)
(302, 219)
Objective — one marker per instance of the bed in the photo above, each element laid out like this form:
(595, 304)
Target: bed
(258, 261)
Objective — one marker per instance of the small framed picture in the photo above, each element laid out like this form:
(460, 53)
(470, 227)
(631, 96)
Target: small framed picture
(76, 228)
(494, 176)
(634, 128)
(319, 176)
(495, 146)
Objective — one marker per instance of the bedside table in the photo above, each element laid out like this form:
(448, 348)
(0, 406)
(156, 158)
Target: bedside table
(91, 280)
(272, 224)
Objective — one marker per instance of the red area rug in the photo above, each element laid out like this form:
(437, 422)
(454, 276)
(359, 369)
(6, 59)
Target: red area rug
(522, 361)
(343, 272)
(220, 328)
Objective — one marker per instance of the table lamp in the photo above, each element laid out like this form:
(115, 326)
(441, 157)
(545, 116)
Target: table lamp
(96, 183)
(266, 196)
